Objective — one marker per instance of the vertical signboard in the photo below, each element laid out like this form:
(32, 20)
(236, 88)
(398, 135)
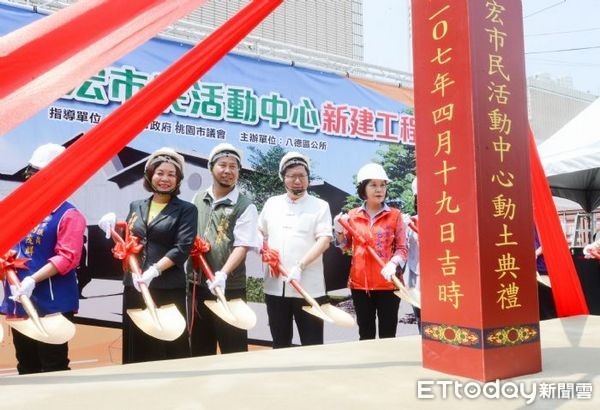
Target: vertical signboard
(480, 313)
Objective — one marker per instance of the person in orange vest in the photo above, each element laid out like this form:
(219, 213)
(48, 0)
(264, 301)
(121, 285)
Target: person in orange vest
(370, 285)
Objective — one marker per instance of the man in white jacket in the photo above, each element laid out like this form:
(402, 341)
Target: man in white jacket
(298, 226)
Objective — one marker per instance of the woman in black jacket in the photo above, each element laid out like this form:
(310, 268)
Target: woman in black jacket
(166, 227)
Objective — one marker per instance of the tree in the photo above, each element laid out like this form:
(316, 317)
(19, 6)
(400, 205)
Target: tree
(264, 182)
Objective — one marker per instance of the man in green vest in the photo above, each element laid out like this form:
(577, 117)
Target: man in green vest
(228, 221)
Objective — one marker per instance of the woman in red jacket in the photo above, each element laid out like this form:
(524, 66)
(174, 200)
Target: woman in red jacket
(382, 226)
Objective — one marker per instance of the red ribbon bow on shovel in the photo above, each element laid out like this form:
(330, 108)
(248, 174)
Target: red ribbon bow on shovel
(271, 257)
(9, 262)
(52, 328)
(199, 248)
(125, 247)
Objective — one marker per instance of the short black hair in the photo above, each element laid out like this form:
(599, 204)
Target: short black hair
(361, 189)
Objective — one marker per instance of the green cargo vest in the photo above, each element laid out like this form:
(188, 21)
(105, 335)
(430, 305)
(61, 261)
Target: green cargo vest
(216, 226)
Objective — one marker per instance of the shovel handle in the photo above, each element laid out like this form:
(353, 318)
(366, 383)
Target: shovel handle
(346, 224)
(221, 295)
(299, 288)
(136, 272)
(406, 294)
(201, 262)
(13, 279)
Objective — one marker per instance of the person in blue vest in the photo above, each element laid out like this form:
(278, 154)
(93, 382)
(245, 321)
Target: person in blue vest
(227, 219)
(53, 247)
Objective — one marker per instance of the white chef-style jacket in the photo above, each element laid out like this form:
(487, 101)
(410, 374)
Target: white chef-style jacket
(412, 277)
(292, 228)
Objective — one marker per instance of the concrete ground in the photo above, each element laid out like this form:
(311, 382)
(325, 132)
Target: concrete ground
(376, 374)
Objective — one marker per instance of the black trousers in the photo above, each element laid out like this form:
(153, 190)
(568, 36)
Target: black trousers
(140, 347)
(417, 312)
(547, 308)
(283, 311)
(372, 304)
(38, 357)
(209, 330)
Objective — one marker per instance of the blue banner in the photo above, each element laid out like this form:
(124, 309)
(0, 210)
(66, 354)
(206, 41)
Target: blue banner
(244, 101)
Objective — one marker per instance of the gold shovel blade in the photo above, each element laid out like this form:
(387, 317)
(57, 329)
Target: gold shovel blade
(58, 329)
(237, 313)
(316, 311)
(245, 317)
(340, 318)
(412, 296)
(543, 279)
(222, 311)
(169, 325)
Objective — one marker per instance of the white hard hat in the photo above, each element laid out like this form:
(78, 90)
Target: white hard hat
(44, 154)
(293, 158)
(166, 154)
(413, 186)
(371, 171)
(224, 150)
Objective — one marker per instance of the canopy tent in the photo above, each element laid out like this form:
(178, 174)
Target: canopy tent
(571, 159)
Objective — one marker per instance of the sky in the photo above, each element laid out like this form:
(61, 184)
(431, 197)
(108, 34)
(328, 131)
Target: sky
(559, 26)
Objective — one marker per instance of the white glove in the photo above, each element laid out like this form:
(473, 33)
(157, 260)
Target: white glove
(389, 270)
(149, 274)
(220, 281)
(26, 288)
(107, 223)
(337, 226)
(294, 273)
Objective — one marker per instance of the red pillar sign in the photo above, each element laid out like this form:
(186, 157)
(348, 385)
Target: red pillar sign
(479, 291)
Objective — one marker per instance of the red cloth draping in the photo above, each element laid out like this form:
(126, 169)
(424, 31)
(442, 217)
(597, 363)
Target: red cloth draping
(55, 183)
(70, 46)
(566, 287)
